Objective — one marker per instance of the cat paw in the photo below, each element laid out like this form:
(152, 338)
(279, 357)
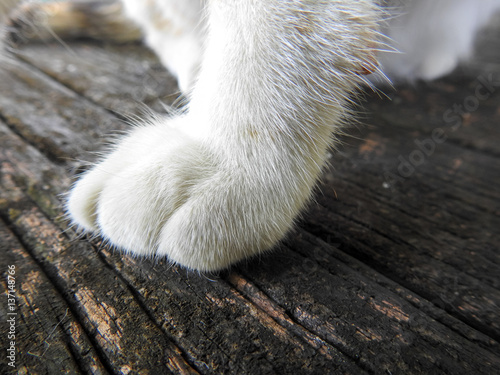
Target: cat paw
(164, 193)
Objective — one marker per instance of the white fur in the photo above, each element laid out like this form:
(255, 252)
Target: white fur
(427, 38)
(432, 36)
(175, 31)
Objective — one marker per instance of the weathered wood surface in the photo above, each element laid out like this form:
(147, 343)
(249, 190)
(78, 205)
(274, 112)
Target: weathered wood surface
(389, 271)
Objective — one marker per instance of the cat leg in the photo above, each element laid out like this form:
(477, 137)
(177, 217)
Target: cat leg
(175, 31)
(433, 36)
(226, 180)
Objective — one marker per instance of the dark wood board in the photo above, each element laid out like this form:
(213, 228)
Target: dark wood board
(393, 269)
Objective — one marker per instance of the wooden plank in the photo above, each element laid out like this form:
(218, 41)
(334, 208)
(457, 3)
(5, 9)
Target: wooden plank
(208, 321)
(366, 320)
(58, 121)
(443, 217)
(100, 74)
(48, 338)
(397, 277)
(101, 301)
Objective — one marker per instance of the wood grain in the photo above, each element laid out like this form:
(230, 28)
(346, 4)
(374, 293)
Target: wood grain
(386, 272)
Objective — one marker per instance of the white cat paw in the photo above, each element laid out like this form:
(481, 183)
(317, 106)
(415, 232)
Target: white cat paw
(163, 193)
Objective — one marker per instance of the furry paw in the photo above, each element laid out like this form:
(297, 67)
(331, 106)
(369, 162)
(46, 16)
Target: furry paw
(226, 180)
(164, 193)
